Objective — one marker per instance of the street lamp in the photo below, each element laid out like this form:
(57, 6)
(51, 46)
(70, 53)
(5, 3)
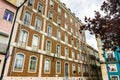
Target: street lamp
(9, 42)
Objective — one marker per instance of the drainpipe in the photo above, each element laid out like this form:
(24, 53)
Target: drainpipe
(9, 42)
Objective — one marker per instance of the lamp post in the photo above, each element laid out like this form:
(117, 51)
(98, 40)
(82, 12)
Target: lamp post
(9, 42)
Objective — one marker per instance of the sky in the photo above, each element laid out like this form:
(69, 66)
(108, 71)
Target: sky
(83, 8)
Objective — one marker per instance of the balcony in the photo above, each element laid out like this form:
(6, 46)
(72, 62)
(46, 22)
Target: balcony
(3, 48)
(110, 59)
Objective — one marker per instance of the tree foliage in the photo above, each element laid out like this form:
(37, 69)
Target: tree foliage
(107, 25)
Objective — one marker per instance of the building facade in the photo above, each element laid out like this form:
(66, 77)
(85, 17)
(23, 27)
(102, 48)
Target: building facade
(47, 44)
(112, 59)
(94, 64)
(102, 60)
(7, 12)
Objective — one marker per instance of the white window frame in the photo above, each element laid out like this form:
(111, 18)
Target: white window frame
(57, 67)
(58, 54)
(19, 53)
(112, 66)
(51, 3)
(30, 64)
(59, 9)
(50, 15)
(27, 21)
(49, 30)
(114, 75)
(66, 52)
(66, 26)
(50, 44)
(40, 8)
(73, 68)
(66, 38)
(79, 68)
(36, 45)
(58, 34)
(65, 15)
(47, 66)
(37, 24)
(21, 42)
(73, 54)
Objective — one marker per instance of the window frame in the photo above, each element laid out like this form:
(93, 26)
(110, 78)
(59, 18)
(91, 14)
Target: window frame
(57, 67)
(40, 24)
(19, 53)
(47, 64)
(8, 17)
(48, 51)
(38, 42)
(28, 23)
(30, 64)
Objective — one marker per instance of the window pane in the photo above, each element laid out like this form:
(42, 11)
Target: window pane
(47, 66)
(27, 18)
(23, 36)
(35, 40)
(19, 61)
(38, 24)
(58, 67)
(33, 62)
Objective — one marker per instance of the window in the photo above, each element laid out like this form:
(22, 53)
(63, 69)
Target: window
(30, 2)
(66, 38)
(33, 64)
(112, 67)
(71, 20)
(57, 67)
(40, 8)
(66, 26)
(50, 15)
(47, 66)
(51, 3)
(110, 54)
(49, 30)
(113, 77)
(66, 52)
(73, 69)
(19, 61)
(72, 41)
(37, 24)
(58, 50)
(79, 69)
(59, 21)
(35, 42)
(65, 15)
(59, 9)
(8, 15)
(27, 18)
(73, 54)
(78, 57)
(76, 33)
(23, 38)
(58, 35)
(71, 30)
(48, 47)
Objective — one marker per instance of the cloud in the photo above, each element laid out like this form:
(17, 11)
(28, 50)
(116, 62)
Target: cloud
(84, 8)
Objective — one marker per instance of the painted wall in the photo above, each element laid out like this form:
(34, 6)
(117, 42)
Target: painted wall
(117, 62)
(5, 26)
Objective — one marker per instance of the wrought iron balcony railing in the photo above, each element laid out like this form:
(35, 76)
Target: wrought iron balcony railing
(110, 59)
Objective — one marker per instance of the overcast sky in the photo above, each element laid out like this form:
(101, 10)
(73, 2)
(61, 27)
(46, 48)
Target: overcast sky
(83, 8)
